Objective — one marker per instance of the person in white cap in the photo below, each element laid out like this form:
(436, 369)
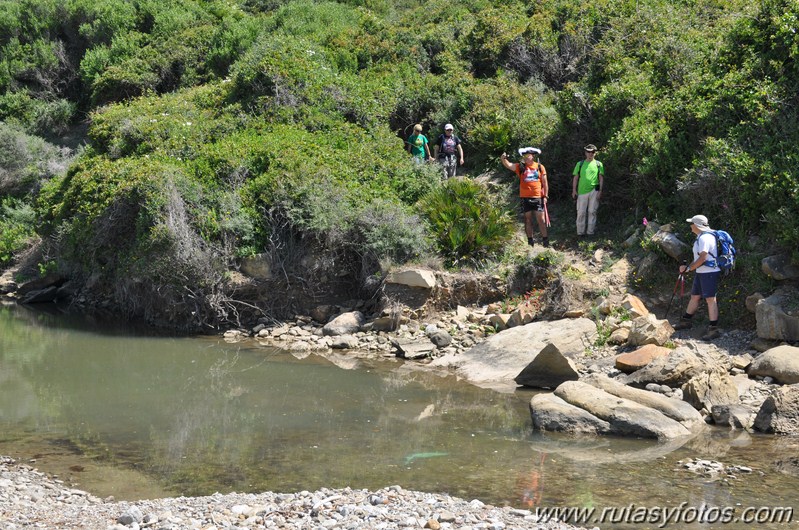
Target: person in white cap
(447, 148)
(533, 190)
(706, 279)
(587, 184)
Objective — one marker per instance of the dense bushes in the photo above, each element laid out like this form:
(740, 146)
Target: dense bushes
(17, 222)
(267, 120)
(27, 161)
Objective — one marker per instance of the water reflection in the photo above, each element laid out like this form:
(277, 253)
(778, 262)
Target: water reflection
(146, 416)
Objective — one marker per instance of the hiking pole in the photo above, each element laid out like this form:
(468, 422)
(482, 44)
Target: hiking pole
(681, 283)
(546, 213)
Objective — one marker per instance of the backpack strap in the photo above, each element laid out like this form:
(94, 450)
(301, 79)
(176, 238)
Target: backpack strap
(715, 235)
(521, 166)
(715, 258)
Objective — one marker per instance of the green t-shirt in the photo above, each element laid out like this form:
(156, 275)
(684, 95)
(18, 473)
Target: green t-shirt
(417, 141)
(589, 175)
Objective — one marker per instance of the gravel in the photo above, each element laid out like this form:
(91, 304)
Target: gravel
(31, 499)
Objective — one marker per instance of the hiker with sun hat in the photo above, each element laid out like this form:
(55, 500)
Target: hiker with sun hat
(587, 184)
(706, 279)
(448, 151)
(533, 190)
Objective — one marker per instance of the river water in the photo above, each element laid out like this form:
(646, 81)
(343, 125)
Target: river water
(122, 413)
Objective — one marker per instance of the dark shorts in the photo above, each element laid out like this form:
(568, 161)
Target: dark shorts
(532, 205)
(706, 284)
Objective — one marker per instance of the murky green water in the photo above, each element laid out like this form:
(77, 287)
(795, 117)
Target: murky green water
(135, 417)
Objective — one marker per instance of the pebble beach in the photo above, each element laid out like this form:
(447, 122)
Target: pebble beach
(32, 499)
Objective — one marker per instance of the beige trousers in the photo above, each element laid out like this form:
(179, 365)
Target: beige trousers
(587, 205)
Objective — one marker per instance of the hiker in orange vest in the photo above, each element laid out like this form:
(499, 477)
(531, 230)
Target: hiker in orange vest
(533, 190)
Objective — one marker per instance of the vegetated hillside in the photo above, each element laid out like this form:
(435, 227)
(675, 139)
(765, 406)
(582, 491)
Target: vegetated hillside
(223, 129)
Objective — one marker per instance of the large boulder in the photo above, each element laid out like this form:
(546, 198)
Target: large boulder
(673, 408)
(680, 366)
(629, 362)
(779, 267)
(776, 317)
(673, 370)
(671, 244)
(626, 417)
(344, 324)
(634, 305)
(499, 359)
(779, 414)
(425, 279)
(413, 348)
(412, 288)
(709, 389)
(548, 369)
(439, 337)
(781, 363)
(551, 413)
(736, 416)
(649, 330)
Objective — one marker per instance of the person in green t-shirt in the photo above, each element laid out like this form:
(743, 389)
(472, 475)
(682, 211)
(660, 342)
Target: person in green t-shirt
(417, 145)
(589, 179)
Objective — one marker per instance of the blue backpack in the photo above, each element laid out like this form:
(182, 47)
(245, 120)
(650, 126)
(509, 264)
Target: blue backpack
(725, 248)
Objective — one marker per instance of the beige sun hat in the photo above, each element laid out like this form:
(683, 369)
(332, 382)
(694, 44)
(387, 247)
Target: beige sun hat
(701, 223)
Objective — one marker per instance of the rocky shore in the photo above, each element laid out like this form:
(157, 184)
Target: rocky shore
(31, 499)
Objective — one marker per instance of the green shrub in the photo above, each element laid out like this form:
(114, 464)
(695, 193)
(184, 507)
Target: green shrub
(99, 21)
(176, 125)
(17, 227)
(389, 231)
(467, 223)
(503, 116)
(27, 161)
(489, 41)
(44, 117)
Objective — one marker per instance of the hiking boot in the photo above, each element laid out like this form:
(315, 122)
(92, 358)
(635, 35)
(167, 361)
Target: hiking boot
(530, 241)
(711, 333)
(684, 323)
(545, 242)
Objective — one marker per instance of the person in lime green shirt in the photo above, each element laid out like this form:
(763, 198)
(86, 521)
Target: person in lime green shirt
(418, 145)
(589, 179)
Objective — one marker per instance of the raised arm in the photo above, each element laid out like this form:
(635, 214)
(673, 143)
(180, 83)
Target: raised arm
(508, 165)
